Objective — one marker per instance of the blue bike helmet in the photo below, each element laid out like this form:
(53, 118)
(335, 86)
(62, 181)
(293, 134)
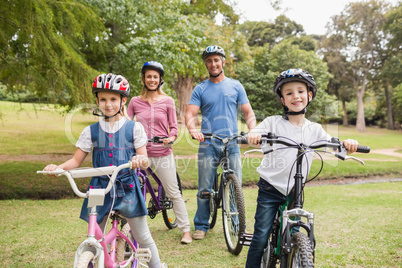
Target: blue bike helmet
(153, 65)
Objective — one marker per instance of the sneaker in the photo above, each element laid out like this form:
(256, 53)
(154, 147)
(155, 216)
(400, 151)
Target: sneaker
(199, 235)
(163, 265)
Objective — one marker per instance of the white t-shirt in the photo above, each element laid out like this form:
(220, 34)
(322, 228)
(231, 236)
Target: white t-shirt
(276, 166)
(85, 142)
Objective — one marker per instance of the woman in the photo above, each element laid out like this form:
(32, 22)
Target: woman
(156, 111)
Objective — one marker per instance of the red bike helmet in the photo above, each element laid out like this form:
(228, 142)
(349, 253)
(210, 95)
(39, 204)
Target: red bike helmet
(111, 83)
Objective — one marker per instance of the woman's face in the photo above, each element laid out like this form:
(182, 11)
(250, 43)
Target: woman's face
(151, 79)
(109, 102)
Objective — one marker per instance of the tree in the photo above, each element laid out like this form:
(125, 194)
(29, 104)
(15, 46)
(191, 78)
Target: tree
(42, 50)
(258, 78)
(360, 35)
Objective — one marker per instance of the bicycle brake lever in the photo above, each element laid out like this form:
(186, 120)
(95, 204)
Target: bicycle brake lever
(355, 158)
(252, 151)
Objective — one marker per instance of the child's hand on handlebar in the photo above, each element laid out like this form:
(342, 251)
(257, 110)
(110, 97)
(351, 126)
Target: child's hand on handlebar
(253, 138)
(140, 161)
(350, 145)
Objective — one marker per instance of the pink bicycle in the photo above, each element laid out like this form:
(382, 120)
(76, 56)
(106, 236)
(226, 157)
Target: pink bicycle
(117, 248)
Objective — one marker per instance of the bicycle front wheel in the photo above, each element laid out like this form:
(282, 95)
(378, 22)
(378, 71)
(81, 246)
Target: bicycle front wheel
(301, 254)
(233, 214)
(168, 214)
(86, 260)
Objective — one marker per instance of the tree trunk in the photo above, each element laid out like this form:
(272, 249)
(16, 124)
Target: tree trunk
(183, 88)
(345, 114)
(390, 124)
(360, 121)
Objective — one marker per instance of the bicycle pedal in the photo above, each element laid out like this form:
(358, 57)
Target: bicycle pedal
(143, 254)
(245, 239)
(167, 204)
(205, 195)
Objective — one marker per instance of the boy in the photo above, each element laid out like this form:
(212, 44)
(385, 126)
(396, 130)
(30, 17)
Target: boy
(295, 88)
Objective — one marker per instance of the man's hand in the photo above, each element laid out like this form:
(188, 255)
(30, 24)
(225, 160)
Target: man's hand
(197, 135)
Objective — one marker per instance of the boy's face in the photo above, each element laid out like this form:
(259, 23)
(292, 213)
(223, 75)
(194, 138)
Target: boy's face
(109, 102)
(295, 96)
(214, 64)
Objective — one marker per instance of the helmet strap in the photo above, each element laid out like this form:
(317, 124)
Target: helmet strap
(215, 76)
(286, 111)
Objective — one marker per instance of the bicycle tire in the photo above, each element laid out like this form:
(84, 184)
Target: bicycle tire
(168, 214)
(213, 205)
(123, 250)
(268, 259)
(233, 214)
(85, 260)
(301, 254)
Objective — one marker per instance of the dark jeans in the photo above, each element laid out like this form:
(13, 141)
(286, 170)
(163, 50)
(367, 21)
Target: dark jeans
(268, 202)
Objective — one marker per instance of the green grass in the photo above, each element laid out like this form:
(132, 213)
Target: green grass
(355, 226)
(39, 129)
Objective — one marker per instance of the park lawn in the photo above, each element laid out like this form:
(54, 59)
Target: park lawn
(355, 226)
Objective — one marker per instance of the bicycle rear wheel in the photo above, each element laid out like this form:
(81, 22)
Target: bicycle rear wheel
(213, 206)
(301, 254)
(233, 214)
(168, 214)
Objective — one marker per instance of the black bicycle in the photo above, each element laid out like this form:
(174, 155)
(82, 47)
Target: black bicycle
(228, 195)
(286, 244)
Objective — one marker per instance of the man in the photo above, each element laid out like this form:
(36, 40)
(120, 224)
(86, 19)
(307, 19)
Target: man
(218, 98)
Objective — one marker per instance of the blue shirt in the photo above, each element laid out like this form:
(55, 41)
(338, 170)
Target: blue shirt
(219, 104)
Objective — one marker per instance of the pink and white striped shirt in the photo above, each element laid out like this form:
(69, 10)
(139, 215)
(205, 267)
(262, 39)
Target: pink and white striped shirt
(158, 119)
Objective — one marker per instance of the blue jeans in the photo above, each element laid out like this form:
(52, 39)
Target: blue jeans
(208, 161)
(268, 202)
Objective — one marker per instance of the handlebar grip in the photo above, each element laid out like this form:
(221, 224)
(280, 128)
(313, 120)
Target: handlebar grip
(363, 149)
(242, 140)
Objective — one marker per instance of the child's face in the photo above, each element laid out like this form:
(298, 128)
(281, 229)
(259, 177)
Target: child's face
(151, 79)
(109, 102)
(295, 96)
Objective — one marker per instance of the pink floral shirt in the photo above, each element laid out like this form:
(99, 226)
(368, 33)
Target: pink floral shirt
(158, 119)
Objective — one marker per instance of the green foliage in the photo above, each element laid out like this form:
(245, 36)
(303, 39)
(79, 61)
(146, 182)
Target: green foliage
(258, 79)
(43, 49)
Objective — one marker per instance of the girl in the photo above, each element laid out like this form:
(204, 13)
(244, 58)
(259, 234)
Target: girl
(156, 111)
(116, 140)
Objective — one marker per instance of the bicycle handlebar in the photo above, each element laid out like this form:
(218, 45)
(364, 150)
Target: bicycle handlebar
(241, 138)
(334, 143)
(157, 139)
(88, 172)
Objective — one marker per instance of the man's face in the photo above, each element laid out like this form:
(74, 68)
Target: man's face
(214, 64)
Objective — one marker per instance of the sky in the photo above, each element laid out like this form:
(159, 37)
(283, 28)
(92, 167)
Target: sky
(313, 15)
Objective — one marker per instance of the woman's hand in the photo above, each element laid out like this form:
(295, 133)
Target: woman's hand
(350, 145)
(140, 161)
(167, 141)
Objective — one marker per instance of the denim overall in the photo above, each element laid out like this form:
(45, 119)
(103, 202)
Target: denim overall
(115, 149)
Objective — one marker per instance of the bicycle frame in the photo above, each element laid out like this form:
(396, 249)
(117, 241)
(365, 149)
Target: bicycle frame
(144, 175)
(97, 242)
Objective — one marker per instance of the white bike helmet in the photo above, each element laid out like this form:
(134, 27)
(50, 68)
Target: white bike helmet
(111, 83)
